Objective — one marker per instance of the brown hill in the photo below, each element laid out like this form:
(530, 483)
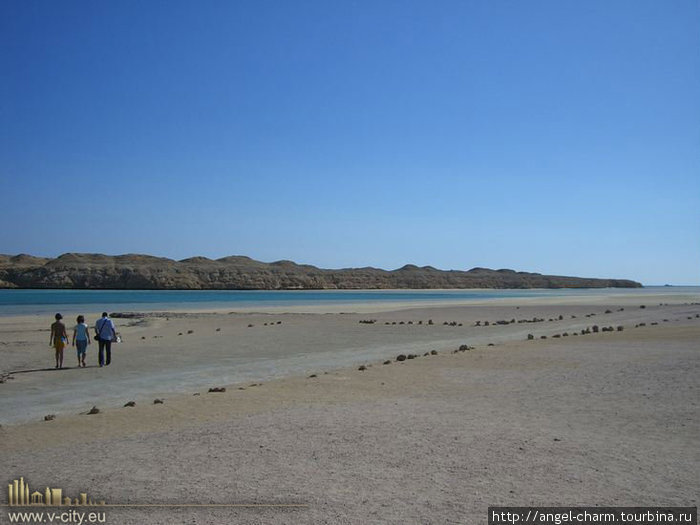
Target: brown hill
(134, 271)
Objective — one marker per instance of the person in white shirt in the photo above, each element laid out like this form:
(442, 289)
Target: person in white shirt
(105, 332)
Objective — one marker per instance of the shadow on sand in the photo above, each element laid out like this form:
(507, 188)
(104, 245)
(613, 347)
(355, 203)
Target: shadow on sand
(51, 369)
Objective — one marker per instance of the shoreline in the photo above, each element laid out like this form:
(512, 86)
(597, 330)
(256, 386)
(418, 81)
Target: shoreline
(579, 296)
(165, 352)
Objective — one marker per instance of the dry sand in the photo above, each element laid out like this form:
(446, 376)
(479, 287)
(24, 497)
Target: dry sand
(601, 419)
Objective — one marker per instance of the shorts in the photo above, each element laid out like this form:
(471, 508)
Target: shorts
(59, 344)
(81, 346)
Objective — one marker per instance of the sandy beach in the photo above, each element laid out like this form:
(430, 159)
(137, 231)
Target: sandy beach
(369, 263)
(606, 418)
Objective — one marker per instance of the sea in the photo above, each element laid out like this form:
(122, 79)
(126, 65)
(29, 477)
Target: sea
(26, 302)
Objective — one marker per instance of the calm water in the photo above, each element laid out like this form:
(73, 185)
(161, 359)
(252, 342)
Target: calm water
(17, 302)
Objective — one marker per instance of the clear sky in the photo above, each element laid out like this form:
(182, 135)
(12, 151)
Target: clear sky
(551, 136)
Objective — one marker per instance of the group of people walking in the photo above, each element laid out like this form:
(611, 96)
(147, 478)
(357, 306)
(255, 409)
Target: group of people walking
(105, 334)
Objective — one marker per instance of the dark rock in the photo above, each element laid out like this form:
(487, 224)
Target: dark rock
(93, 410)
(362, 368)
(157, 401)
(433, 352)
(217, 389)
(50, 417)
(530, 337)
(312, 375)
(387, 362)
(401, 357)
(130, 404)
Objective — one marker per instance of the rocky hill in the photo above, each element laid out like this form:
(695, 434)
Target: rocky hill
(95, 271)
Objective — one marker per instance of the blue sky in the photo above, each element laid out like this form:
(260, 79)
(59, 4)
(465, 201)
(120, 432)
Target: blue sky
(551, 136)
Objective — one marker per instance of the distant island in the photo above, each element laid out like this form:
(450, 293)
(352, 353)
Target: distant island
(145, 272)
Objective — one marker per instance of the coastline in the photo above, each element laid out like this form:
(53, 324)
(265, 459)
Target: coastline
(164, 353)
(552, 295)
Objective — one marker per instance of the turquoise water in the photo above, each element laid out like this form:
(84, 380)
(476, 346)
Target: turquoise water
(19, 302)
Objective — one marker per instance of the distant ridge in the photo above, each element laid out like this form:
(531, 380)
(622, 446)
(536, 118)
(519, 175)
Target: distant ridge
(146, 272)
